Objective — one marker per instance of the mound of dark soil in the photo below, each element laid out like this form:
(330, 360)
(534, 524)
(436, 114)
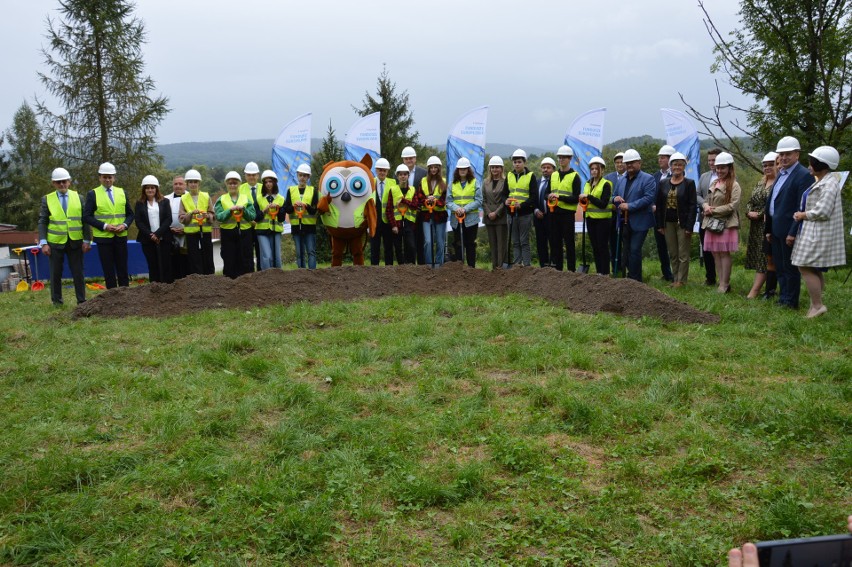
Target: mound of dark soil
(583, 293)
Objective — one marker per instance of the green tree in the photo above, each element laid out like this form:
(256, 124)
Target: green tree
(330, 151)
(31, 160)
(5, 184)
(793, 58)
(95, 73)
(396, 122)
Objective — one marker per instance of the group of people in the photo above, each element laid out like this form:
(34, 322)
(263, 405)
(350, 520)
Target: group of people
(796, 227)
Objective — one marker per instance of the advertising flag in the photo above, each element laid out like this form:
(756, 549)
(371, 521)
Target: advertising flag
(362, 139)
(585, 136)
(292, 148)
(467, 139)
(681, 134)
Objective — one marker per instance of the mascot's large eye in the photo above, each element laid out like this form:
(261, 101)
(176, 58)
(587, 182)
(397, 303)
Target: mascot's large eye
(334, 185)
(359, 186)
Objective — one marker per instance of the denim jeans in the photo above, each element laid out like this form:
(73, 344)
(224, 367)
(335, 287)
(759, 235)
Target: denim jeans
(270, 250)
(306, 245)
(440, 230)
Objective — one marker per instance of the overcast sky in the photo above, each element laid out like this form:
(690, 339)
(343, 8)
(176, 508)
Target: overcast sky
(241, 70)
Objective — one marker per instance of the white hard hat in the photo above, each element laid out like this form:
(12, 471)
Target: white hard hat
(771, 156)
(677, 156)
(233, 175)
(631, 155)
(598, 160)
(408, 151)
(619, 155)
(463, 163)
(519, 153)
(251, 168)
(402, 168)
(434, 160)
(150, 180)
(268, 173)
(192, 175)
(666, 150)
(786, 144)
(106, 168)
(724, 158)
(827, 155)
(495, 161)
(565, 151)
(549, 161)
(382, 163)
(60, 174)
(304, 168)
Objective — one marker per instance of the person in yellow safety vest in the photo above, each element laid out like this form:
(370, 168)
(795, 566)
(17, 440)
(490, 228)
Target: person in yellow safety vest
(565, 188)
(109, 214)
(252, 190)
(301, 204)
(465, 196)
(401, 215)
(430, 199)
(522, 185)
(235, 214)
(269, 221)
(196, 214)
(384, 236)
(62, 234)
(599, 207)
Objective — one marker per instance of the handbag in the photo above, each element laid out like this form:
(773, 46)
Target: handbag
(716, 225)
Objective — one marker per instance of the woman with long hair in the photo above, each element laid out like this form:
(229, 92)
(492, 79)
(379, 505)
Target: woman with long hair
(721, 219)
(757, 257)
(431, 200)
(597, 195)
(154, 221)
(464, 199)
(269, 219)
(819, 244)
(495, 191)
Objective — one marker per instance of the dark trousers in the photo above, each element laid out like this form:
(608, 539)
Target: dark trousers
(404, 243)
(613, 243)
(180, 262)
(542, 240)
(789, 278)
(663, 253)
(58, 253)
(383, 238)
(709, 262)
(112, 253)
(199, 252)
(634, 240)
(469, 243)
(599, 231)
(159, 260)
(561, 232)
(237, 252)
(419, 243)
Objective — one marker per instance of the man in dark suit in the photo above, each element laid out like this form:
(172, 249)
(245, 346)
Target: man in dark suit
(793, 179)
(635, 195)
(540, 220)
(663, 157)
(61, 233)
(416, 174)
(383, 236)
(109, 214)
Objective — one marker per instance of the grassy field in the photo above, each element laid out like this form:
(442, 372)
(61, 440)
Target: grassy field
(416, 430)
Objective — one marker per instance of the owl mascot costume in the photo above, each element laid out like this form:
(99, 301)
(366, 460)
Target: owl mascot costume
(348, 207)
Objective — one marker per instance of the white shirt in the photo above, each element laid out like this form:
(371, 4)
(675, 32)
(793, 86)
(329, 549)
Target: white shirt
(154, 215)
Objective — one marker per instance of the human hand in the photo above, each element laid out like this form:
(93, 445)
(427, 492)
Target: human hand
(661, 230)
(86, 247)
(492, 216)
(395, 230)
(800, 216)
(45, 249)
(623, 206)
(790, 240)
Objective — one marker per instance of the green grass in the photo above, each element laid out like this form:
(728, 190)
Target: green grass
(416, 430)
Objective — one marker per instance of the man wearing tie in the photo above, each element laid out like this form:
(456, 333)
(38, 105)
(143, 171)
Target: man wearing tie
(548, 166)
(634, 198)
(109, 214)
(383, 235)
(252, 190)
(62, 233)
(793, 180)
(415, 176)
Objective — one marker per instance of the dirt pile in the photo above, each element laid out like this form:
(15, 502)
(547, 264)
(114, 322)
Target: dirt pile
(582, 293)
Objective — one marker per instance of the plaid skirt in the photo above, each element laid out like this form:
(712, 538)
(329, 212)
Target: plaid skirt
(726, 241)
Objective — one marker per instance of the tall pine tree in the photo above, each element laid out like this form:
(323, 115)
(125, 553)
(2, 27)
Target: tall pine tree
(95, 73)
